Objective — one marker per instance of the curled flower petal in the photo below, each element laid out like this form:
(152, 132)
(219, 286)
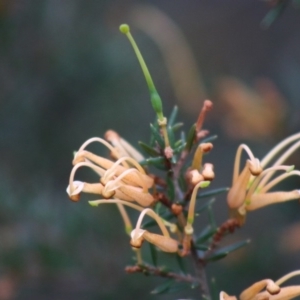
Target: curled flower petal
(164, 243)
(137, 194)
(254, 289)
(286, 293)
(79, 187)
(74, 193)
(260, 200)
(122, 145)
(224, 296)
(131, 178)
(237, 193)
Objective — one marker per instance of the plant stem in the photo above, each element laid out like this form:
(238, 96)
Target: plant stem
(200, 273)
(151, 270)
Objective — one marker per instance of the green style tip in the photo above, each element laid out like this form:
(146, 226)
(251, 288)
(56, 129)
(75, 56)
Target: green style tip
(204, 184)
(290, 169)
(154, 96)
(124, 28)
(92, 203)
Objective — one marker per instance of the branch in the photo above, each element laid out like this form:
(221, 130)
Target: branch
(154, 271)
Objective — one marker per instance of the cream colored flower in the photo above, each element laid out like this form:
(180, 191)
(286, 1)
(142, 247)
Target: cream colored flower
(164, 242)
(272, 290)
(251, 188)
(124, 179)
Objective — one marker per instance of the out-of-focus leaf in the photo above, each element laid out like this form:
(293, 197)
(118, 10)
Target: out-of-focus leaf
(206, 205)
(273, 14)
(205, 234)
(190, 138)
(211, 217)
(213, 192)
(163, 288)
(201, 247)
(153, 253)
(182, 137)
(214, 290)
(178, 144)
(178, 286)
(170, 189)
(157, 136)
(226, 250)
(173, 116)
(209, 139)
(179, 148)
(177, 126)
(181, 264)
(195, 285)
(148, 149)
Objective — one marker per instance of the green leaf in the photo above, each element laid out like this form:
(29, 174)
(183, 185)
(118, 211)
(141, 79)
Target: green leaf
(195, 285)
(153, 253)
(214, 289)
(205, 234)
(213, 192)
(181, 264)
(163, 288)
(209, 139)
(178, 286)
(179, 148)
(148, 149)
(178, 143)
(156, 136)
(170, 189)
(191, 138)
(201, 247)
(182, 137)
(206, 205)
(158, 162)
(226, 250)
(173, 116)
(177, 126)
(211, 217)
(273, 14)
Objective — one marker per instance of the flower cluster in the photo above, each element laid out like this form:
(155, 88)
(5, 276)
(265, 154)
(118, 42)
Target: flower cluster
(251, 187)
(125, 179)
(272, 290)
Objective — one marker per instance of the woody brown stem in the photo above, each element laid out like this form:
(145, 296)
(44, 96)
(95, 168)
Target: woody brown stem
(155, 271)
(200, 273)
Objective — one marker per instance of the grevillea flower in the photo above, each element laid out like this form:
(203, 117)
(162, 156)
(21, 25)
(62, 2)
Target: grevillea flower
(272, 290)
(116, 180)
(250, 188)
(164, 242)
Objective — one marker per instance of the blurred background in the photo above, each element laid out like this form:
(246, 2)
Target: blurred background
(67, 74)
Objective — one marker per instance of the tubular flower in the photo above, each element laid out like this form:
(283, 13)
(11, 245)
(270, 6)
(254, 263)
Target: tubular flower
(199, 172)
(250, 188)
(124, 179)
(272, 290)
(164, 242)
(122, 146)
